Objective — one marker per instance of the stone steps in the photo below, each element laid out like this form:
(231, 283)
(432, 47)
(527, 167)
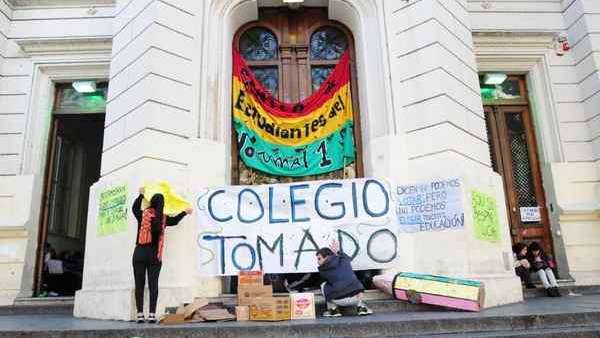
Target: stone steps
(538, 317)
(378, 301)
(381, 325)
(574, 332)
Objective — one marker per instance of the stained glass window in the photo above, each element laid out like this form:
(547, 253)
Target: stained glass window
(327, 43)
(319, 74)
(259, 44)
(268, 76)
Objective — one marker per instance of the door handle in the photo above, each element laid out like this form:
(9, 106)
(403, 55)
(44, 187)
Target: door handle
(514, 209)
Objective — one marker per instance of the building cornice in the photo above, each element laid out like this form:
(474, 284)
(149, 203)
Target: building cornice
(531, 40)
(16, 4)
(36, 47)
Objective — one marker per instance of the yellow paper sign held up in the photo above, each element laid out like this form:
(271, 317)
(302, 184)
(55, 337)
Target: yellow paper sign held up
(174, 203)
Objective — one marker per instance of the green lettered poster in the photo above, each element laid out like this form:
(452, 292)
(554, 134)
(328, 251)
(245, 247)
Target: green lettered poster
(485, 217)
(112, 210)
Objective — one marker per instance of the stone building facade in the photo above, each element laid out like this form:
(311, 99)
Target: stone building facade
(420, 69)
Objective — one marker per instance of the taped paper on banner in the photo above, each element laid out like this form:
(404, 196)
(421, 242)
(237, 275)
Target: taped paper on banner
(174, 204)
(278, 228)
(311, 137)
(431, 206)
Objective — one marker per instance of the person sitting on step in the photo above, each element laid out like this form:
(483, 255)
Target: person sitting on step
(521, 264)
(540, 264)
(341, 287)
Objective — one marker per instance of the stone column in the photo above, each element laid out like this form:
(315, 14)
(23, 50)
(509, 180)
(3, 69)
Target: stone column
(576, 180)
(149, 130)
(439, 109)
(15, 188)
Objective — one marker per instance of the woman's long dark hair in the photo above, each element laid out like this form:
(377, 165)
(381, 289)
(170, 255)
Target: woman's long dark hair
(157, 202)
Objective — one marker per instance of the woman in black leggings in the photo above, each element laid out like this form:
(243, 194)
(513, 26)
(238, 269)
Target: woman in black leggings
(147, 256)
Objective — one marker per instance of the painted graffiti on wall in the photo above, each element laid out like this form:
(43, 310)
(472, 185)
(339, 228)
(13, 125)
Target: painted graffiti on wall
(279, 228)
(431, 206)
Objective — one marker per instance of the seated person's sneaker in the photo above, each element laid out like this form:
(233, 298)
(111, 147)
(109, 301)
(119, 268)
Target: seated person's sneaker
(335, 312)
(152, 318)
(140, 319)
(363, 310)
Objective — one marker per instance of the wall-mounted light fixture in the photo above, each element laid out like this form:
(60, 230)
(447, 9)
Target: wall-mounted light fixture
(494, 78)
(85, 86)
(293, 4)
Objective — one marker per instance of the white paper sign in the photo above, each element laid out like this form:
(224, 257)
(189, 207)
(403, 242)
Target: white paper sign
(530, 214)
(280, 227)
(431, 206)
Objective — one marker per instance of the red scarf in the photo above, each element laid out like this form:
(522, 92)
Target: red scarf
(145, 233)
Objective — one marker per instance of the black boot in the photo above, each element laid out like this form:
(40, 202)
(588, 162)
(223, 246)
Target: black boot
(556, 292)
(550, 292)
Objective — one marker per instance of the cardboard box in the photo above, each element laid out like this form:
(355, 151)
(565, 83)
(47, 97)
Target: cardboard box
(247, 293)
(219, 315)
(172, 319)
(270, 308)
(190, 309)
(250, 278)
(302, 306)
(242, 313)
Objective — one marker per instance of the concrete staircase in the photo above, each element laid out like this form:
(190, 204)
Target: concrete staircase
(378, 301)
(569, 316)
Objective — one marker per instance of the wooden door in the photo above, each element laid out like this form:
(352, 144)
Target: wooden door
(292, 52)
(514, 155)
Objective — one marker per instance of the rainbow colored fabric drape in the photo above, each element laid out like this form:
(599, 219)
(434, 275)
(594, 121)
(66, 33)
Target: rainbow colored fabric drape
(311, 137)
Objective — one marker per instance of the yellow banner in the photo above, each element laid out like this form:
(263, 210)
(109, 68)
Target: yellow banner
(174, 204)
(297, 131)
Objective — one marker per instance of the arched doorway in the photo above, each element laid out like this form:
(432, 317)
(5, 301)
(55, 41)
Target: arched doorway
(291, 52)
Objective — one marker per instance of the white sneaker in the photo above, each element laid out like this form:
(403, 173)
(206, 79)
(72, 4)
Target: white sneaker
(364, 311)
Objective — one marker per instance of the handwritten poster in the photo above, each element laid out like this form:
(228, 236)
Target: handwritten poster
(280, 227)
(485, 217)
(112, 210)
(431, 206)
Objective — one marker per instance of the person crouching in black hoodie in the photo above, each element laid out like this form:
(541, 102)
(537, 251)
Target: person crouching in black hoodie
(341, 287)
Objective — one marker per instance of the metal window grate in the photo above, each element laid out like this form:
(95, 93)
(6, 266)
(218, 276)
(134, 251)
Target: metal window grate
(522, 174)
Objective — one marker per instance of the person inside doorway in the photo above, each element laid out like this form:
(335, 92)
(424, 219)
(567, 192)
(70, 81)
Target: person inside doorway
(147, 256)
(341, 287)
(521, 264)
(541, 265)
